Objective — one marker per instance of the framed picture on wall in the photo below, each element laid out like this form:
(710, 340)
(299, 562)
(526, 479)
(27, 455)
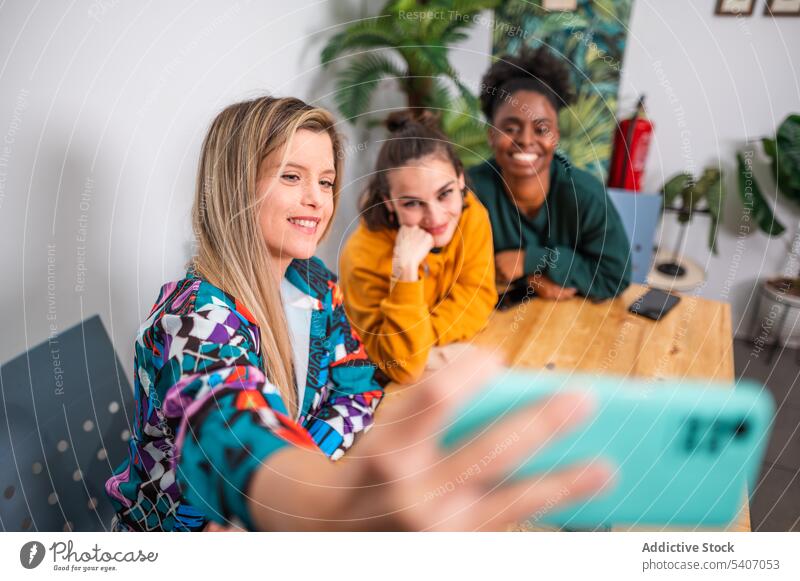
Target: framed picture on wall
(560, 5)
(734, 7)
(782, 8)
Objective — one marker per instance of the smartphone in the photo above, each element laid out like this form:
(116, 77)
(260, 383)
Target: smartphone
(514, 294)
(684, 452)
(654, 304)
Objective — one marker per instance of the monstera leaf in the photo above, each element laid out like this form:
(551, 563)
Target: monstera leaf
(751, 195)
(784, 151)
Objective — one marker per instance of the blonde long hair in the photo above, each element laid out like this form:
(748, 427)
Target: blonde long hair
(231, 251)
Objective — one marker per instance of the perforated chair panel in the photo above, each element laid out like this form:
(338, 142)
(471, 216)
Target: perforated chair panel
(640, 213)
(64, 429)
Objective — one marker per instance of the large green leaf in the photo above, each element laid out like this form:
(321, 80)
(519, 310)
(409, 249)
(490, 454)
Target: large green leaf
(374, 32)
(466, 11)
(598, 67)
(471, 100)
(426, 60)
(715, 198)
(440, 98)
(358, 82)
(452, 18)
(463, 125)
(709, 178)
(397, 6)
(613, 12)
(755, 201)
(710, 188)
(674, 187)
(471, 144)
(770, 147)
(785, 154)
(585, 127)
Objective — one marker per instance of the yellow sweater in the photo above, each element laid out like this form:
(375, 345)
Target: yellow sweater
(451, 301)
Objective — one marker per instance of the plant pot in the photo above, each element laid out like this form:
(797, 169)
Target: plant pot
(691, 275)
(777, 316)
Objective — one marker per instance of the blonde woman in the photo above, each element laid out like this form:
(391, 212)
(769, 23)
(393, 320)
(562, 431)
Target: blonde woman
(249, 379)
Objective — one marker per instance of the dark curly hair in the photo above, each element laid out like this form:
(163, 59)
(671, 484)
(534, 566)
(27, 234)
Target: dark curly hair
(533, 70)
(413, 134)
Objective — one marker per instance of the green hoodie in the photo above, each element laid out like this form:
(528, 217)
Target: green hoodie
(576, 238)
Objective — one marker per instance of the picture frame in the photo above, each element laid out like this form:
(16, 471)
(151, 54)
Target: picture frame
(560, 5)
(782, 8)
(735, 7)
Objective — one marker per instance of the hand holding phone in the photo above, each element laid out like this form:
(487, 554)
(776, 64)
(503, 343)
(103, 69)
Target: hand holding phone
(683, 451)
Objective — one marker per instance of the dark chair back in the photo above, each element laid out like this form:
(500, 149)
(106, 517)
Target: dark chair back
(63, 429)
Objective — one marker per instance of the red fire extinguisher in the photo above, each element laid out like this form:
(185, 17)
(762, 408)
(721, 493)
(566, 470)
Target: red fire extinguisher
(631, 143)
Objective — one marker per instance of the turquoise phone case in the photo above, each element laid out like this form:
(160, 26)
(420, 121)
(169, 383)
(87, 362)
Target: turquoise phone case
(683, 450)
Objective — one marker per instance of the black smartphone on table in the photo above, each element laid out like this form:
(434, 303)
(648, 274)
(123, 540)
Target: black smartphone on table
(654, 304)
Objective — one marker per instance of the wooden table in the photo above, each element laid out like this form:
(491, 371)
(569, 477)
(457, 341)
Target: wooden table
(694, 341)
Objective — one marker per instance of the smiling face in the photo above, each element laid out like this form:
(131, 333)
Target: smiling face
(524, 134)
(297, 198)
(426, 192)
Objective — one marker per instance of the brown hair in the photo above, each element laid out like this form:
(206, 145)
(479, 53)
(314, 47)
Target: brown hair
(412, 136)
(231, 252)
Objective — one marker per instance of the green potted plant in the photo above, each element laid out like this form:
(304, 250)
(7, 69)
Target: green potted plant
(777, 318)
(689, 196)
(408, 43)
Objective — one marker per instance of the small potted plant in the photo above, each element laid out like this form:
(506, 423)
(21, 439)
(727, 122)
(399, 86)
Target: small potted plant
(688, 196)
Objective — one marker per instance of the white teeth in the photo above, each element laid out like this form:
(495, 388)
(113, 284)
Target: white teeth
(526, 157)
(304, 223)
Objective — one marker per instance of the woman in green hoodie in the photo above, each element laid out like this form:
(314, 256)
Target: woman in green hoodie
(554, 227)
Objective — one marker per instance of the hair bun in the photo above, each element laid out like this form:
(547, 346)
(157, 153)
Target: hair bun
(538, 70)
(399, 121)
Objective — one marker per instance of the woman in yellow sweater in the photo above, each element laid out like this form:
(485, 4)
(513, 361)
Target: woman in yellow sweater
(418, 272)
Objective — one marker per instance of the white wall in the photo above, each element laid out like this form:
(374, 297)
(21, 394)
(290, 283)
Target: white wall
(712, 83)
(103, 105)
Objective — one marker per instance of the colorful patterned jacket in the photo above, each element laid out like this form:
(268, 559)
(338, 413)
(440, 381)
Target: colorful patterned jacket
(206, 417)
